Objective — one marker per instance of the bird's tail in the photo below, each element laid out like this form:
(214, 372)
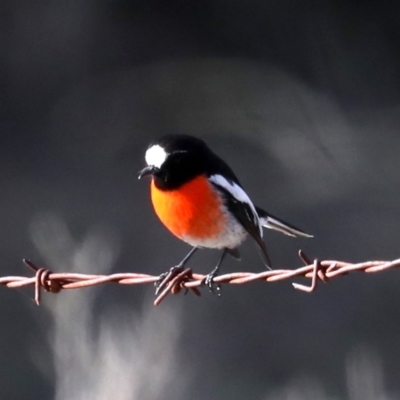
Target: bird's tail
(271, 222)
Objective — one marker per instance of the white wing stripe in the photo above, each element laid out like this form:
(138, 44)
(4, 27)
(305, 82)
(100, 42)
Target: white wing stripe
(239, 194)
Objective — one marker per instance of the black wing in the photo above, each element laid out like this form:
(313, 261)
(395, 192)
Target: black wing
(243, 212)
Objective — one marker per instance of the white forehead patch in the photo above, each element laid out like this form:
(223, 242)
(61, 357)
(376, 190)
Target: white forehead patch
(155, 156)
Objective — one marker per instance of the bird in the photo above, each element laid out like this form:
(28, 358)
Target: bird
(199, 199)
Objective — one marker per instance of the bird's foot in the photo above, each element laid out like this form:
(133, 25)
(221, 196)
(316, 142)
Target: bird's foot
(171, 272)
(214, 288)
(167, 276)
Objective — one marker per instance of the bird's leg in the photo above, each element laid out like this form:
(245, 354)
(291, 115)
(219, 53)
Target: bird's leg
(209, 281)
(177, 268)
(186, 259)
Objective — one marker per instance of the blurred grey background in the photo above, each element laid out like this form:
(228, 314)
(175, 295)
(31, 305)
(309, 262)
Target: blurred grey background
(302, 99)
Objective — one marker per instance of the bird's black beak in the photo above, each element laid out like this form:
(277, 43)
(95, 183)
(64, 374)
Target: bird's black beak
(149, 170)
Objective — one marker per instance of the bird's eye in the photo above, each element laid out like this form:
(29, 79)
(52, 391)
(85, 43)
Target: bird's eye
(179, 153)
(177, 156)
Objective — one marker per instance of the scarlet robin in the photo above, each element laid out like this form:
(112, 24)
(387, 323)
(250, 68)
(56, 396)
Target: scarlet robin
(200, 200)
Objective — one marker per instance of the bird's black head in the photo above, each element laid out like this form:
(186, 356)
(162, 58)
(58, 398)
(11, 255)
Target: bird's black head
(174, 160)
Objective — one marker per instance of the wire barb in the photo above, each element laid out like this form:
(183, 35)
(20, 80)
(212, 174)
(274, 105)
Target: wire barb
(176, 280)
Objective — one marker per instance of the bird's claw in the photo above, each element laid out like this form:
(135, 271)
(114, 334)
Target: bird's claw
(214, 288)
(171, 272)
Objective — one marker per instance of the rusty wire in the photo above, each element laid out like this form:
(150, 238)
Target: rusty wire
(176, 280)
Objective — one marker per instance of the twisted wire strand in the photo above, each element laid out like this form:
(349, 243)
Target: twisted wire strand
(176, 280)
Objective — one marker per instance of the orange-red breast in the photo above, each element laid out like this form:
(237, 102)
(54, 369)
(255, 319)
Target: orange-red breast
(199, 199)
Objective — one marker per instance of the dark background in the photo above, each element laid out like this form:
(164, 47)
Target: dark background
(302, 99)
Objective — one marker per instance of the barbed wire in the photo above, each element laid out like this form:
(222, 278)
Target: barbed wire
(176, 280)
